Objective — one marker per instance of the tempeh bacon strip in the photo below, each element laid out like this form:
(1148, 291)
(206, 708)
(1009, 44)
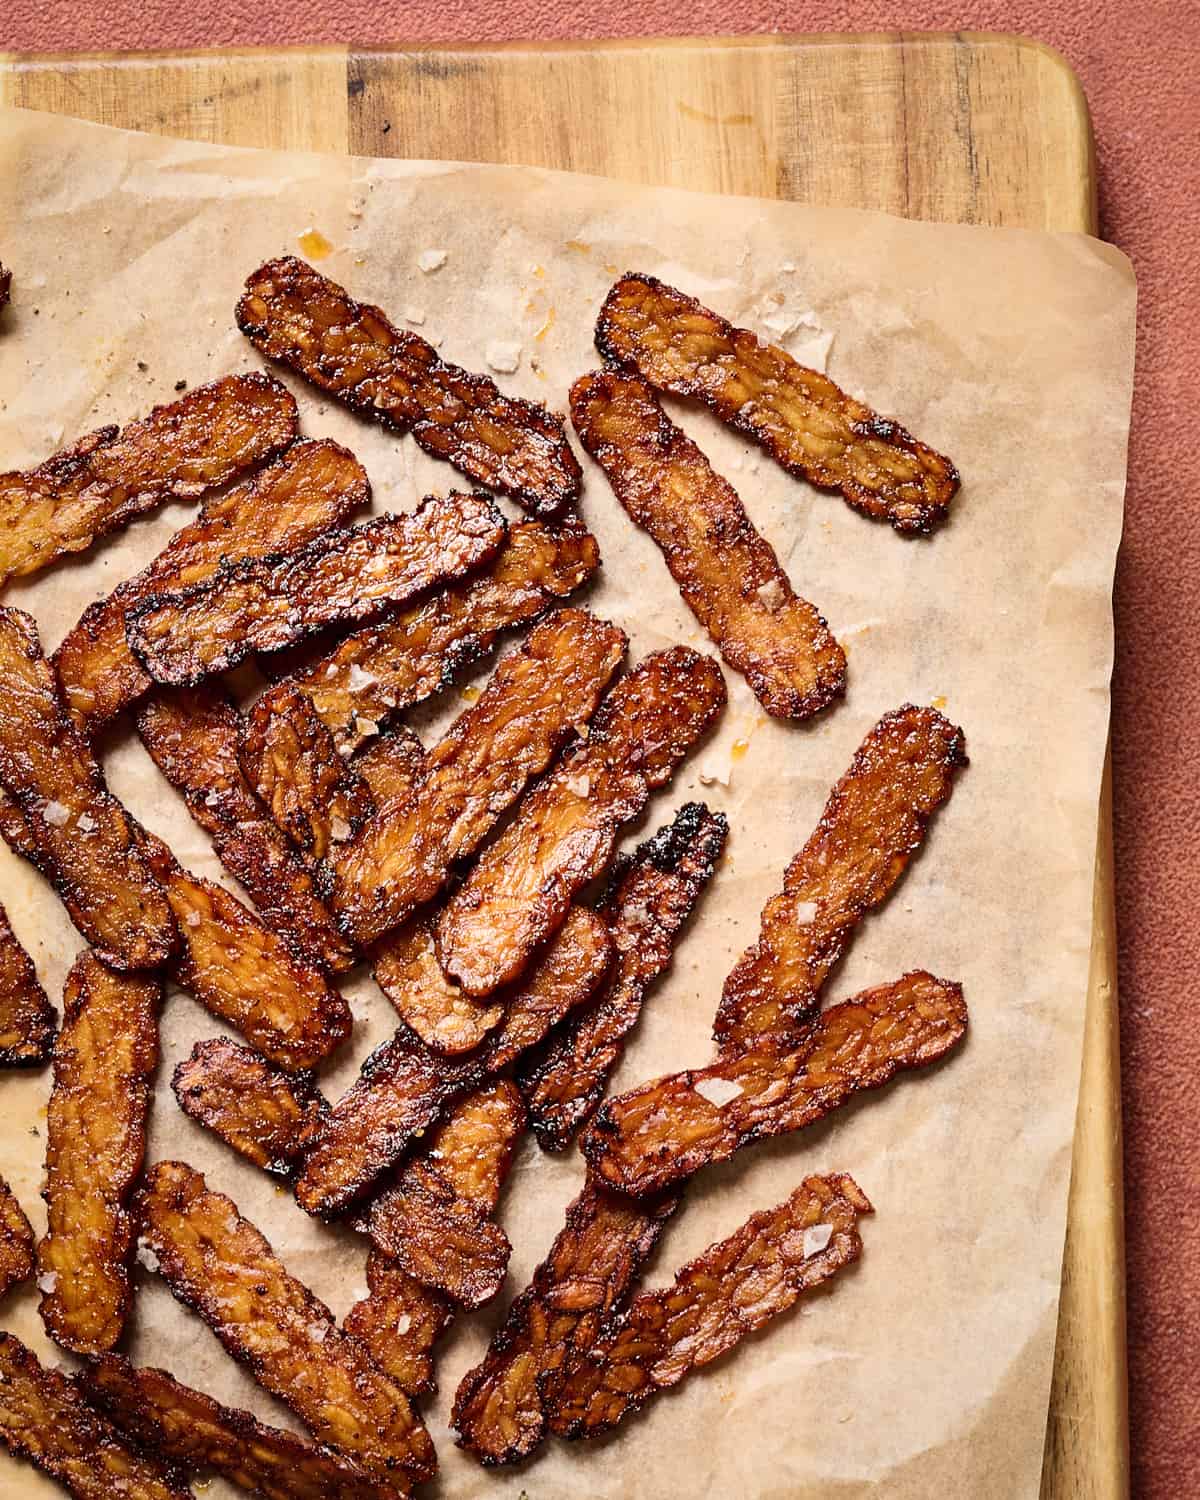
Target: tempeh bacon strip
(399, 1321)
(806, 423)
(199, 442)
(293, 314)
(16, 1241)
(406, 969)
(27, 1018)
(727, 572)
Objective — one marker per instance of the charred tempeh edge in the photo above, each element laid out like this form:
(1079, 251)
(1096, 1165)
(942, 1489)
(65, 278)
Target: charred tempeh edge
(565, 830)
(343, 577)
(293, 314)
(217, 1263)
(725, 1293)
(501, 1406)
(27, 1018)
(873, 823)
(536, 698)
(665, 1130)
(104, 1062)
(84, 841)
(16, 1242)
(263, 1113)
(309, 488)
(45, 1419)
(203, 440)
(807, 424)
(727, 572)
(5, 286)
(651, 899)
(406, 969)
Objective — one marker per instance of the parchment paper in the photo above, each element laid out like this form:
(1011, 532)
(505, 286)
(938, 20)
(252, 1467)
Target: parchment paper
(924, 1371)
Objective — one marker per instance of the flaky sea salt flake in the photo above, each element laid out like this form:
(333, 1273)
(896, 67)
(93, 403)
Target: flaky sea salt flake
(718, 1091)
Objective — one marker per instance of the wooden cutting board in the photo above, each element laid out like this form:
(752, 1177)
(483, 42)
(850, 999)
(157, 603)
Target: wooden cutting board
(970, 128)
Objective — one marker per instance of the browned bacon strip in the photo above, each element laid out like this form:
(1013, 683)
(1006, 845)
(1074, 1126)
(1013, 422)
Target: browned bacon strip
(203, 440)
(564, 832)
(650, 902)
(16, 1241)
(726, 1293)
(308, 489)
(342, 578)
(292, 313)
(806, 423)
(26, 1016)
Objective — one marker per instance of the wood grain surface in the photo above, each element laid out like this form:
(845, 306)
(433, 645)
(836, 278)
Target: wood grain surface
(971, 128)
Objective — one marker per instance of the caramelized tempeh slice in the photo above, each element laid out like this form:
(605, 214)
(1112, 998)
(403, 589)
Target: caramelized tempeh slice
(81, 837)
(104, 1062)
(193, 1431)
(343, 577)
(501, 1406)
(473, 1147)
(806, 423)
(727, 573)
(16, 1241)
(665, 1130)
(650, 901)
(264, 1114)
(566, 828)
(217, 1262)
(726, 1293)
(192, 736)
(403, 1087)
(310, 487)
(399, 1321)
(293, 314)
(873, 823)
(536, 697)
(26, 1016)
(44, 1418)
(406, 969)
(391, 765)
(203, 440)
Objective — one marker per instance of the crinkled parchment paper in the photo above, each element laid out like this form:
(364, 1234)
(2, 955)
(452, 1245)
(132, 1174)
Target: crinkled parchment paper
(925, 1370)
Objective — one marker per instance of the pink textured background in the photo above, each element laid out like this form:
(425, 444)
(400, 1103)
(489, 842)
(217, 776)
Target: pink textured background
(1139, 63)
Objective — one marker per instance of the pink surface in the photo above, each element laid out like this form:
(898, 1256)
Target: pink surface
(1139, 64)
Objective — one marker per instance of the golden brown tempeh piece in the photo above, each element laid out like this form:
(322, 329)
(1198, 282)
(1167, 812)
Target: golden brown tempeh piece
(399, 1321)
(203, 440)
(16, 1241)
(501, 1406)
(82, 839)
(217, 1263)
(727, 572)
(537, 696)
(293, 314)
(196, 1433)
(309, 488)
(27, 1018)
(263, 1113)
(474, 1146)
(45, 1419)
(406, 969)
(391, 765)
(650, 901)
(728, 1291)
(344, 577)
(566, 829)
(665, 1130)
(806, 423)
(104, 1062)
(872, 825)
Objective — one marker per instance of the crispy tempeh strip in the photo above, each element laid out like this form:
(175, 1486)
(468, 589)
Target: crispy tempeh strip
(104, 1062)
(84, 841)
(727, 572)
(192, 736)
(203, 440)
(873, 823)
(806, 423)
(399, 1321)
(16, 1241)
(217, 1263)
(474, 1146)
(406, 969)
(650, 901)
(195, 1432)
(725, 1293)
(262, 1112)
(44, 1418)
(27, 1018)
(391, 765)
(501, 1406)
(667, 1129)
(403, 1087)
(293, 314)
(307, 489)
(343, 577)
(536, 697)
(566, 829)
